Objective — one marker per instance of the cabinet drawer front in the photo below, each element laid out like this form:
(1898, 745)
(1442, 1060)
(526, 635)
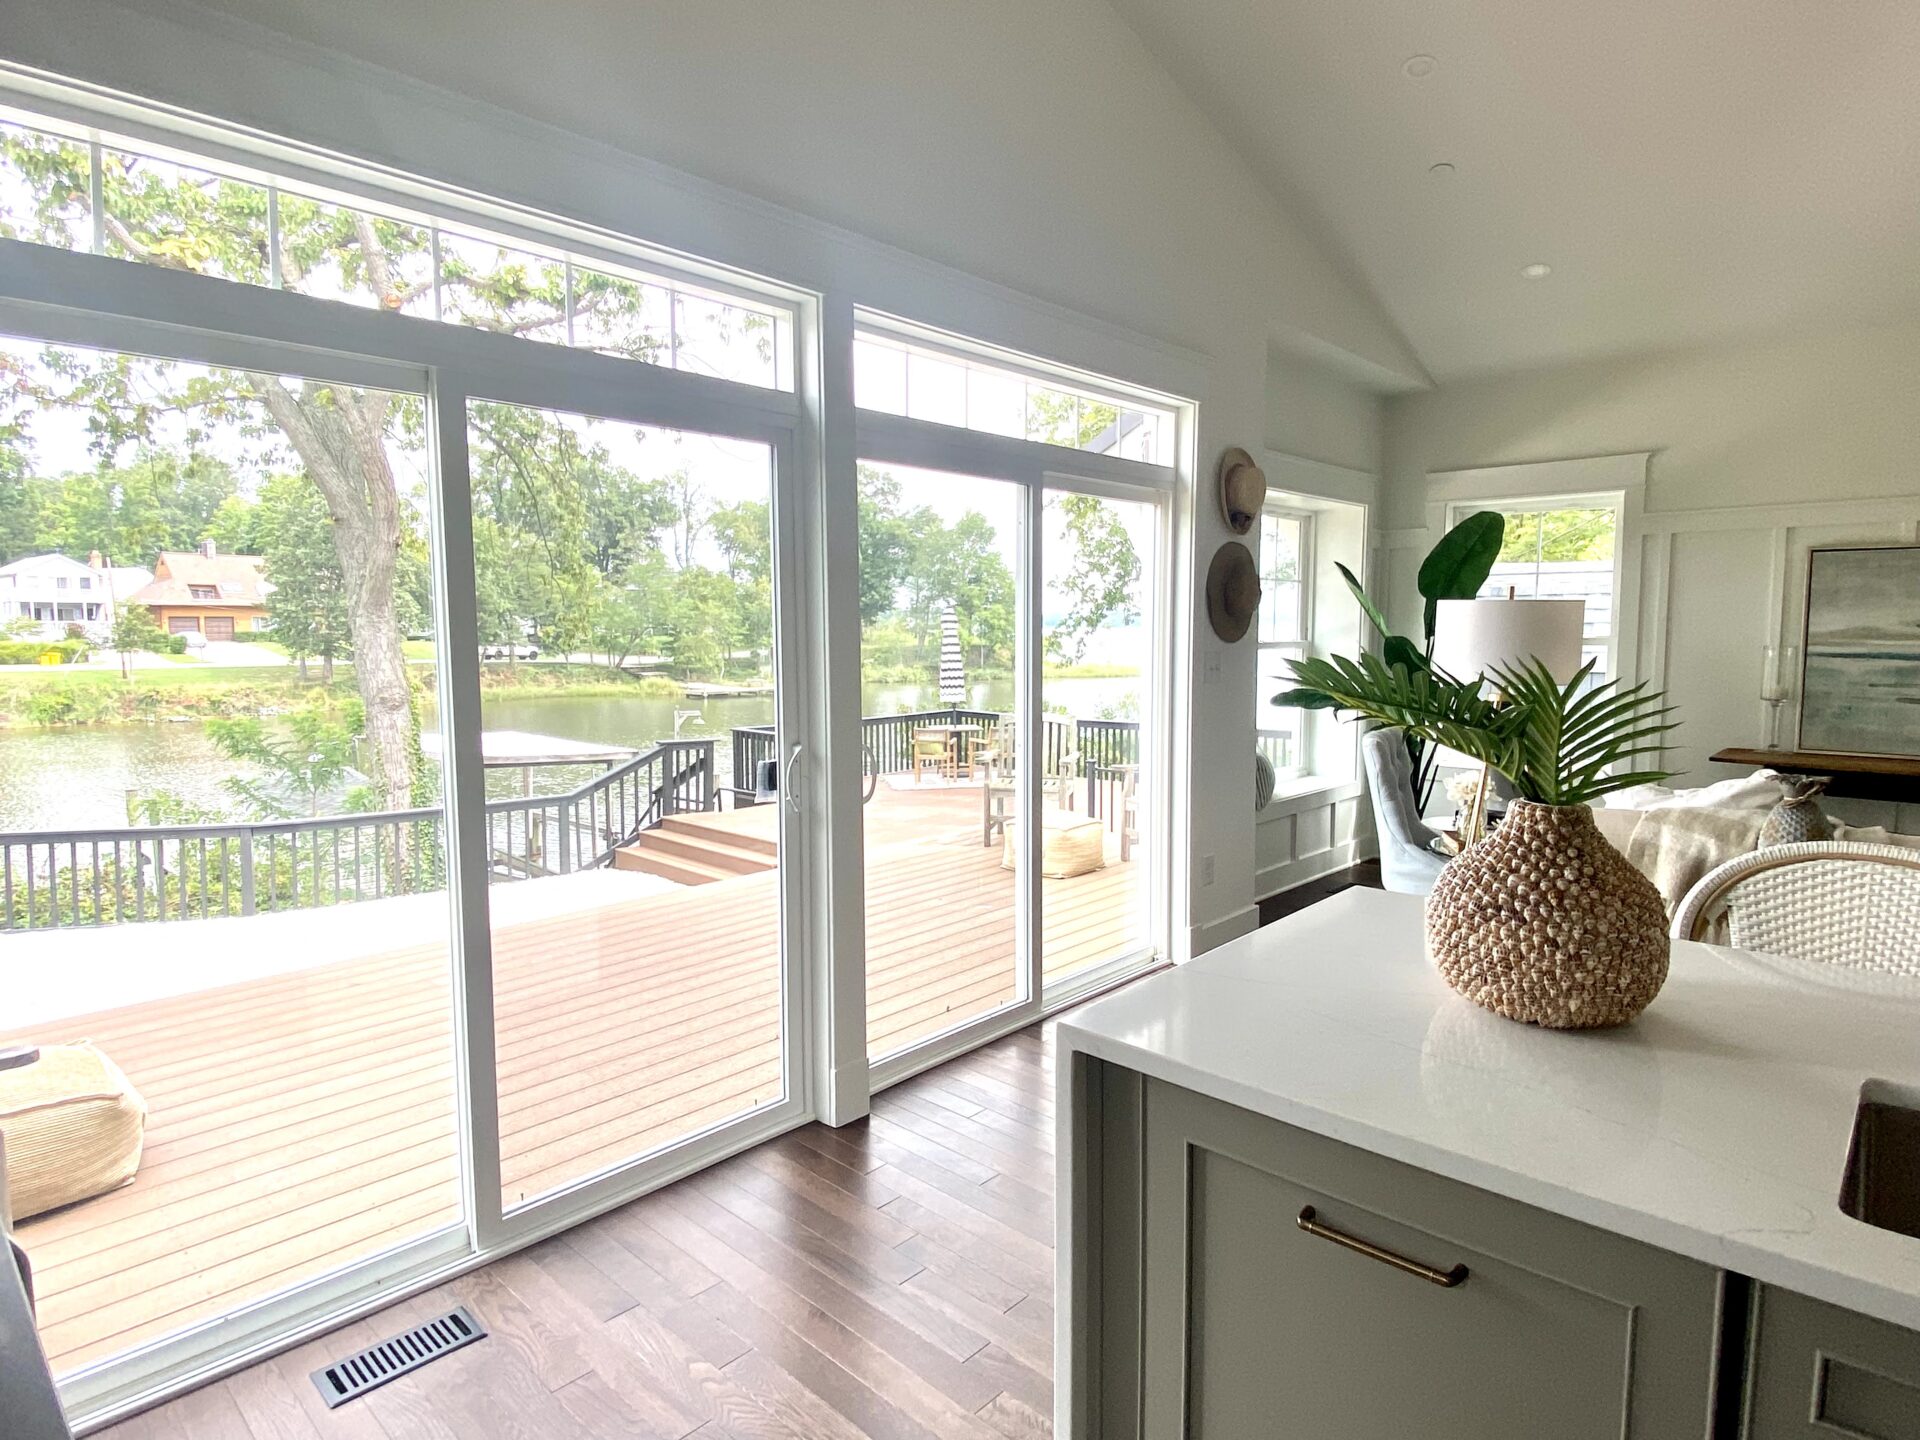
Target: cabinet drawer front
(1817, 1372)
(1255, 1326)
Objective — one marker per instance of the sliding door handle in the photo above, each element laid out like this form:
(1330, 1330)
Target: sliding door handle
(1446, 1279)
(790, 779)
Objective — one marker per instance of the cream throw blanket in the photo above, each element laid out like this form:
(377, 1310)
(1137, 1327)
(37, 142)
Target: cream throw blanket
(1675, 846)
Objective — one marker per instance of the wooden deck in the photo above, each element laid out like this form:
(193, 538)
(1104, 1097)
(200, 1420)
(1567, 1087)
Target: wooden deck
(306, 1119)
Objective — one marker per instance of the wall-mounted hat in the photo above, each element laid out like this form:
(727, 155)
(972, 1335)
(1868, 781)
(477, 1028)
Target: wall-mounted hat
(1233, 590)
(1243, 490)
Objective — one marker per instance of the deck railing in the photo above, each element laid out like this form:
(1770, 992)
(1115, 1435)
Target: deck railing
(1101, 745)
(55, 878)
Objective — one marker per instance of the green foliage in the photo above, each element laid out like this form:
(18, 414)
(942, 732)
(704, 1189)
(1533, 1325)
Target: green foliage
(29, 652)
(1559, 535)
(1557, 745)
(307, 760)
(308, 603)
(1100, 578)
(1460, 563)
(1455, 569)
(135, 630)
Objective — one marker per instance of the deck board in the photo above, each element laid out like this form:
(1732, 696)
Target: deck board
(306, 1119)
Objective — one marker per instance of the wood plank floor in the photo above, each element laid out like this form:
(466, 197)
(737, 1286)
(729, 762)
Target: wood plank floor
(306, 1120)
(892, 1279)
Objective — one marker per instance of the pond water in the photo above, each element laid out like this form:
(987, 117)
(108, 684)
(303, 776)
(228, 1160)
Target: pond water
(78, 779)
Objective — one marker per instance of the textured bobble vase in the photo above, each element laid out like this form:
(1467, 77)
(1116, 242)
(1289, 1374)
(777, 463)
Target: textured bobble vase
(1544, 921)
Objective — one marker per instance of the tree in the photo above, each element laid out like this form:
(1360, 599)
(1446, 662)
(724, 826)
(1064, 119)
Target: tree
(884, 543)
(308, 601)
(634, 610)
(1102, 579)
(744, 533)
(158, 501)
(306, 762)
(704, 620)
(134, 630)
(687, 515)
(210, 225)
(531, 477)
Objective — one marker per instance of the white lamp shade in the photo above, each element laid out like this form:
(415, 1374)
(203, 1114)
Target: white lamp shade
(1472, 637)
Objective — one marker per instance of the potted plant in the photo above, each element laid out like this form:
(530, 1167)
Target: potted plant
(1543, 921)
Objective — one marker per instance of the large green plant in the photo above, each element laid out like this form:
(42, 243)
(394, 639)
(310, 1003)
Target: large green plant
(1558, 744)
(1455, 569)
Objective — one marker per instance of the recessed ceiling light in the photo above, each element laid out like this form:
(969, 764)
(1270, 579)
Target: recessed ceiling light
(1442, 170)
(1419, 67)
(1535, 271)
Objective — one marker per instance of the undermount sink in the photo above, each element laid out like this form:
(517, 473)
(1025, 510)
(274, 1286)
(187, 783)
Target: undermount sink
(1882, 1184)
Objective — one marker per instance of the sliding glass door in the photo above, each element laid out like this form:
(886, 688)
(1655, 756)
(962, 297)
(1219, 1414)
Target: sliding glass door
(635, 834)
(1100, 702)
(1013, 546)
(225, 942)
(942, 651)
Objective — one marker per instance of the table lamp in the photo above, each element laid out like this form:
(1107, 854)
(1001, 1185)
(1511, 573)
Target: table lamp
(1473, 637)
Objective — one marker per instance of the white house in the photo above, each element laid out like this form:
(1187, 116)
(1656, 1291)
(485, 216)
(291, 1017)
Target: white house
(56, 591)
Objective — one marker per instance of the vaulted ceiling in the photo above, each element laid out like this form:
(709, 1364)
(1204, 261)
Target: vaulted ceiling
(1689, 169)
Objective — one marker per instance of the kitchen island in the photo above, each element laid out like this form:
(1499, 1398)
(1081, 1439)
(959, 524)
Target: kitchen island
(1306, 1190)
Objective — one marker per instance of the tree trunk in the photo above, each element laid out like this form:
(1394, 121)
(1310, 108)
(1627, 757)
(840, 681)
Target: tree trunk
(341, 441)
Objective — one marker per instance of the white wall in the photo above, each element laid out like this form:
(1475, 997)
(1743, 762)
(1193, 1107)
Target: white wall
(1758, 451)
(1034, 177)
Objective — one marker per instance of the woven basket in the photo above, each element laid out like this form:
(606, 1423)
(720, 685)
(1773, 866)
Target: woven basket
(1545, 922)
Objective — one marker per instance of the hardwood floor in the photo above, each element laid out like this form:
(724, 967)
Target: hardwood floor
(892, 1279)
(305, 1119)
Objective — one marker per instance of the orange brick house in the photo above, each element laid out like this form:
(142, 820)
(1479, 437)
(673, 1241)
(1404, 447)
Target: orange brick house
(202, 590)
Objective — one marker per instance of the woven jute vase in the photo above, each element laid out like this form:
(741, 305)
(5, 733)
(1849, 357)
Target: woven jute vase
(1544, 921)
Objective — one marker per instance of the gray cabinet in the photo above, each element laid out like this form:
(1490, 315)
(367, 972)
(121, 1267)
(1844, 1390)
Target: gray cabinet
(1817, 1372)
(1220, 1317)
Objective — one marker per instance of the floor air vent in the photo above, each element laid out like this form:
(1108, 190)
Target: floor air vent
(390, 1359)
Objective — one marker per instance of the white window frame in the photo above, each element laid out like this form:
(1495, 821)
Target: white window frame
(1293, 649)
(1615, 501)
(1038, 467)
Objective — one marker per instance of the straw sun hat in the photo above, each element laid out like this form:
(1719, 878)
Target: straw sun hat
(1243, 490)
(1233, 590)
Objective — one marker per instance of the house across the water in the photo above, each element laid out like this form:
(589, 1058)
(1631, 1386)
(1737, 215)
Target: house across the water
(55, 591)
(204, 592)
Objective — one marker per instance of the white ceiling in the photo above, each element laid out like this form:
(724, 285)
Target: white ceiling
(1691, 169)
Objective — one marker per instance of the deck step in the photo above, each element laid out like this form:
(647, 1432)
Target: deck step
(678, 869)
(707, 849)
(725, 835)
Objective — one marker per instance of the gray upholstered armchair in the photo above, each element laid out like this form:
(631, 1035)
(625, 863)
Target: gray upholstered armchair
(1406, 862)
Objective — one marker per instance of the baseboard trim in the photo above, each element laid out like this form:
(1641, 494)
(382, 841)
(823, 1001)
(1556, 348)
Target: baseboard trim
(1289, 873)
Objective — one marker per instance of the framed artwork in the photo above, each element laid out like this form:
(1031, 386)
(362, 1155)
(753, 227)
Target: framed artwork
(1860, 667)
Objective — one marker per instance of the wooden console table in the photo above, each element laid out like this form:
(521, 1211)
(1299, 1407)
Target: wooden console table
(1857, 777)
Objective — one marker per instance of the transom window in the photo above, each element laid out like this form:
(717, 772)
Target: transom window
(922, 382)
(80, 190)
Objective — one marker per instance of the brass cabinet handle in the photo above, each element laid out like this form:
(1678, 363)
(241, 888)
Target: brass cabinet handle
(1446, 1279)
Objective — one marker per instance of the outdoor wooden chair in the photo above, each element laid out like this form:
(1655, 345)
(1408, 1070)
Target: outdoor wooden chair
(1127, 809)
(931, 748)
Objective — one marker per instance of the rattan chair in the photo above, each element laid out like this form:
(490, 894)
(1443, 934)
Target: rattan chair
(1849, 905)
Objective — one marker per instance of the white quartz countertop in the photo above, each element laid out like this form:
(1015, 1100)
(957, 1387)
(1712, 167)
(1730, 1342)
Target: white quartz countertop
(1715, 1126)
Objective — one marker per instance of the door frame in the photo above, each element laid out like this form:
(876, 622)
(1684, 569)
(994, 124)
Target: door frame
(1037, 468)
(66, 298)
